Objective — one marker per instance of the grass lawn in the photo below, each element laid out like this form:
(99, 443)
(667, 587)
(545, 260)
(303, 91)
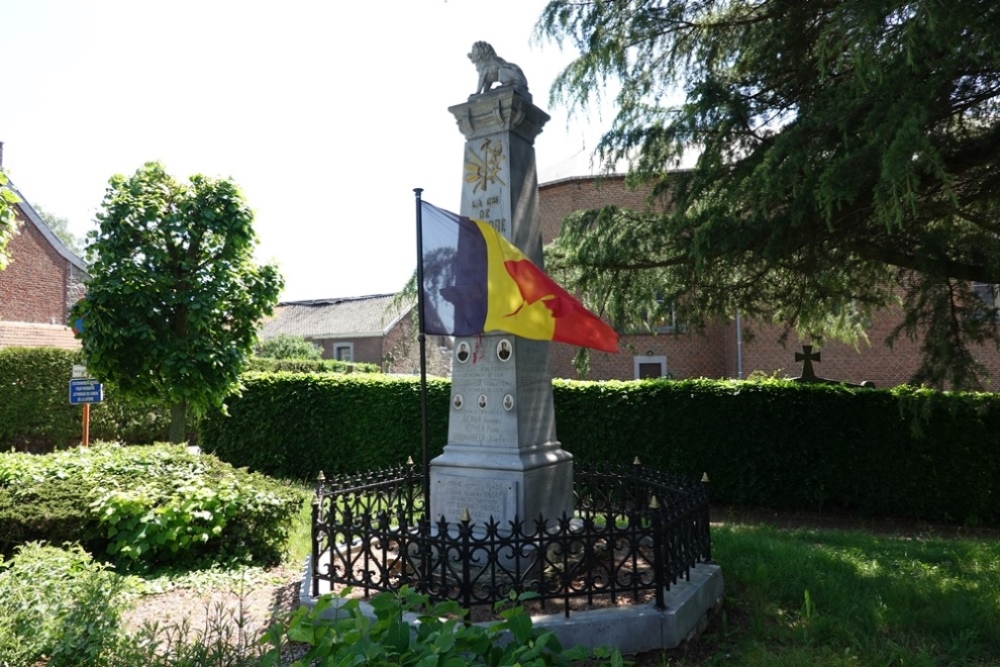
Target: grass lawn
(846, 596)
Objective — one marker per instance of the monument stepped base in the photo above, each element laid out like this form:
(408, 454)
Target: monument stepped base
(632, 629)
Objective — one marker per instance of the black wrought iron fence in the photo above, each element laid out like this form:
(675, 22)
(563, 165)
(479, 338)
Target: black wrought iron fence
(634, 532)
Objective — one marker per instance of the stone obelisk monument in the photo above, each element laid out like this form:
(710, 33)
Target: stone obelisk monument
(502, 459)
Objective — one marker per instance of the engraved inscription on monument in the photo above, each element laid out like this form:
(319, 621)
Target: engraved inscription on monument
(483, 497)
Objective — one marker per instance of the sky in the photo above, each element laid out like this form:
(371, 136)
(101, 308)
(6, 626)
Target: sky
(327, 114)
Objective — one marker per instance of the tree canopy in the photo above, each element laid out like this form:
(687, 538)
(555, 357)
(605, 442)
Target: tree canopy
(847, 158)
(8, 223)
(59, 227)
(174, 297)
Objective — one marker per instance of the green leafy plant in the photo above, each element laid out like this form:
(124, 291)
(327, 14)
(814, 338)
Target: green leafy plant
(59, 604)
(407, 630)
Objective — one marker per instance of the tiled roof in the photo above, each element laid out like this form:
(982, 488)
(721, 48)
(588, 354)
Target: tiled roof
(335, 318)
(31, 334)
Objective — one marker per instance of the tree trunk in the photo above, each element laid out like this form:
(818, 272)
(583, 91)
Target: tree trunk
(178, 414)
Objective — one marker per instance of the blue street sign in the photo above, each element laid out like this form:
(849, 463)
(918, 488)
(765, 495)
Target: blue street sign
(85, 390)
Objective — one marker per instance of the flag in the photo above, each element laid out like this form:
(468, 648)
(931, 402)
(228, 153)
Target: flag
(475, 280)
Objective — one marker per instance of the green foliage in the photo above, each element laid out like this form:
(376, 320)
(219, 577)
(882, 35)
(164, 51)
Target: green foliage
(8, 223)
(407, 630)
(287, 346)
(174, 297)
(34, 392)
(59, 227)
(37, 416)
(843, 149)
(296, 425)
(59, 603)
(144, 506)
(905, 452)
(310, 366)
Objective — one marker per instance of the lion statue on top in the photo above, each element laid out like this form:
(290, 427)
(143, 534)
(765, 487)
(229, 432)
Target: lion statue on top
(492, 68)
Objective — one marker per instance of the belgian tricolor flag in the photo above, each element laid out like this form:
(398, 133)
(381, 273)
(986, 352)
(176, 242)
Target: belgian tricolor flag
(475, 280)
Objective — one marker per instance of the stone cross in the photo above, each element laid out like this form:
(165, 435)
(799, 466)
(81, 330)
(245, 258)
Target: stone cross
(807, 356)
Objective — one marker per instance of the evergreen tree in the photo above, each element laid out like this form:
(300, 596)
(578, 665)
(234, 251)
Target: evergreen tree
(847, 160)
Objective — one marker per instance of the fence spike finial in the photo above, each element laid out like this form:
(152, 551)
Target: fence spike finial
(637, 462)
(409, 461)
(466, 517)
(654, 503)
(704, 477)
(320, 477)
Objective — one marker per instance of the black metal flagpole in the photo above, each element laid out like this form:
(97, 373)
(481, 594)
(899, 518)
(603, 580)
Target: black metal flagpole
(421, 339)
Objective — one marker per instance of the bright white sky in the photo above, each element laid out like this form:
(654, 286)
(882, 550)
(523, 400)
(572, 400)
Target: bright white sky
(327, 113)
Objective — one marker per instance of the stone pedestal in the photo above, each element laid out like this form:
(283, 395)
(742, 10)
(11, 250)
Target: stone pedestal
(502, 458)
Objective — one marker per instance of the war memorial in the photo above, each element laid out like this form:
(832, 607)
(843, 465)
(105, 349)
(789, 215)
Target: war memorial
(617, 555)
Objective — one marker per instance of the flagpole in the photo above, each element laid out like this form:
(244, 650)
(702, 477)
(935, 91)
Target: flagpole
(421, 339)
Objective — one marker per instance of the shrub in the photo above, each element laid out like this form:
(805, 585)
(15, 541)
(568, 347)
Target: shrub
(153, 505)
(58, 603)
(287, 346)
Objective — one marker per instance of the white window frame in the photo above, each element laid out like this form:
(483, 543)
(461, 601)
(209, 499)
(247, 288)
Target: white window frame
(637, 361)
(341, 346)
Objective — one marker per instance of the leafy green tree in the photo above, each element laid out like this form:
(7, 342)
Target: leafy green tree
(59, 227)
(8, 223)
(174, 296)
(287, 346)
(847, 160)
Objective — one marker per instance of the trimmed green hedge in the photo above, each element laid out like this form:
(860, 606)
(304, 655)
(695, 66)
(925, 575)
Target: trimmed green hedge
(296, 425)
(903, 452)
(267, 365)
(36, 414)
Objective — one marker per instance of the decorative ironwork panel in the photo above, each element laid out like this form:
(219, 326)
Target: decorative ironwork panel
(635, 531)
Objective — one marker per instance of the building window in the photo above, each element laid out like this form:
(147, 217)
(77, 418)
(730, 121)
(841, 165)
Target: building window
(649, 366)
(988, 294)
(343, 351)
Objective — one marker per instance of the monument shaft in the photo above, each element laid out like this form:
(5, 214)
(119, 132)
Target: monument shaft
(502, 459)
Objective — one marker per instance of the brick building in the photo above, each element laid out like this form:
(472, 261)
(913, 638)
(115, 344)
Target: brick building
(724, 350)
(369, 329)
(42, 281)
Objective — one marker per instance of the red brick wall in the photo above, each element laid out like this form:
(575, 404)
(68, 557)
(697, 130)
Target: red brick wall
(714, 354)
(33, 288)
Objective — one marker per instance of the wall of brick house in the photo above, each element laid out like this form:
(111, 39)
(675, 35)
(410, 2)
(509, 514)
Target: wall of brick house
(402, 351)
(33, 287)
(714, 352)
(367, 349)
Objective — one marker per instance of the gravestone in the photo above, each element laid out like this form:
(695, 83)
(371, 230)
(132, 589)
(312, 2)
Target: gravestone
(502, 458)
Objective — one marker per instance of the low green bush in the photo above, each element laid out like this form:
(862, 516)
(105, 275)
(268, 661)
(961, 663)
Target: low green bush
(144, 505)
(440, 635)
(60, 606)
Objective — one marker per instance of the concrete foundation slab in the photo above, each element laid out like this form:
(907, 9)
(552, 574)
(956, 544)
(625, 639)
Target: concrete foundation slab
(633, 629)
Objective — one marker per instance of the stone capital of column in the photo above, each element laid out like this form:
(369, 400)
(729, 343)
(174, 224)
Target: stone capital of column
(499, 110)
